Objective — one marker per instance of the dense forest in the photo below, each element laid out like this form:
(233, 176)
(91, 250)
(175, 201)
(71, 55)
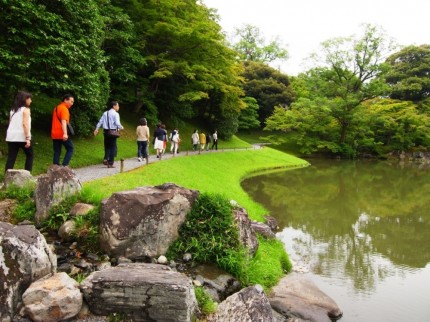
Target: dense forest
(169, 60)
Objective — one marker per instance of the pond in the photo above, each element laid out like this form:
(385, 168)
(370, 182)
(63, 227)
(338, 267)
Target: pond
(360, 230)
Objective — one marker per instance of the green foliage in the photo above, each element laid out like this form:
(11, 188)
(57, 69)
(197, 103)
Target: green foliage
(87, 229)
(269, 264)
(409, 73)
(210, 234)
(252, 46)
(59, 214)
(205, 302)
(190, 70)
(268, 86)
(248, 118)
(54, 48)
(25, 207)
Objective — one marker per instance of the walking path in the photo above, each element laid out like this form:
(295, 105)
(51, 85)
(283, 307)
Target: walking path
(99, 170)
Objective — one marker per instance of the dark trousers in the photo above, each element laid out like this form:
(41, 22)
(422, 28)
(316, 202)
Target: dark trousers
(13, 148)
(57, 144)
(142, 149)
(215, 144)
(110, 147)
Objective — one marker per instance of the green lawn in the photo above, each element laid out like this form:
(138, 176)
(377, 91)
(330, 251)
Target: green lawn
(219, 173)
(90, 150)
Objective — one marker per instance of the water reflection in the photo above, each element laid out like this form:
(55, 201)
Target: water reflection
(359, 224)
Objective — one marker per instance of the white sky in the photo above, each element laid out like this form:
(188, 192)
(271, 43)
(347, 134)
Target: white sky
(301, 25)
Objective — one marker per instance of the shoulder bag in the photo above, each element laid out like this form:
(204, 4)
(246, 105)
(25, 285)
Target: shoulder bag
(70, 130)
(112, 132)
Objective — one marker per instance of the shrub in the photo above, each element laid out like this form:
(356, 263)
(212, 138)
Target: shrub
(210, 234)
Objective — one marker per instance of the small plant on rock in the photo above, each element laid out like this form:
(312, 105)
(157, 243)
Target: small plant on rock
(211, 235)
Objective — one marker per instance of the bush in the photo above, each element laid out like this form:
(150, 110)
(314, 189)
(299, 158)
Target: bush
(210, 234)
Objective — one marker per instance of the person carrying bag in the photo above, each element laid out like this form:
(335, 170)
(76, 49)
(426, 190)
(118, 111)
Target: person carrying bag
(111, 124)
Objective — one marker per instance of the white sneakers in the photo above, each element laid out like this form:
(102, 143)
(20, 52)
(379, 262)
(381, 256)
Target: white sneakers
(139, 159)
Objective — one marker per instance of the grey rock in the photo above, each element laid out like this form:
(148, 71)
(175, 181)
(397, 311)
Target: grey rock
(263, 229)
(271, 222)
(81, 209)
(58, 184)
(248, 305)
(55, 298)
(24, 258)
(246, 234)
(19, 178)
(296, 296)
(144, 222)
(144, 292)
(65, 232)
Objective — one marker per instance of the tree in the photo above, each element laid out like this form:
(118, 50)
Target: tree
(248, 118)
(268, 86)
(190, 69)
(349, 76)
(252, 46)
(54, 48)
(409, 75)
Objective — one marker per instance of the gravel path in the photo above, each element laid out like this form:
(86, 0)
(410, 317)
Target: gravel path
(99, 170)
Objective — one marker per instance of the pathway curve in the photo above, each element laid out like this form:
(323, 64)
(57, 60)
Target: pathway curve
(97, 171)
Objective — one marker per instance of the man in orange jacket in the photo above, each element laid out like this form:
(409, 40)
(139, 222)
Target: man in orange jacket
(59, 135)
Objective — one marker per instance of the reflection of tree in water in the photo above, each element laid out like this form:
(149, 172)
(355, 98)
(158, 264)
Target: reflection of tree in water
(327, 199)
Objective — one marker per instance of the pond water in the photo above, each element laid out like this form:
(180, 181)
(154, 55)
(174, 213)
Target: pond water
(360, 230)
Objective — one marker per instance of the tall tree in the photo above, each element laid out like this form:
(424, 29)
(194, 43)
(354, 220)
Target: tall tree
(53, 48)
(251, 46)
(409, 75)
(248, 118)
(189, 68)
(268, 86)
(348, 77)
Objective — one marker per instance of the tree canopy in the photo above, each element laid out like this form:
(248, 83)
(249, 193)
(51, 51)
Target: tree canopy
(409, 75)
(251, 46)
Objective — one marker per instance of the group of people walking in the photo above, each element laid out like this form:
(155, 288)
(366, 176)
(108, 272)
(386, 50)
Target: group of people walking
(19, 134)
(203, 140)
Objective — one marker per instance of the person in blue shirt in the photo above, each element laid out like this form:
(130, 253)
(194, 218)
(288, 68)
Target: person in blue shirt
(110, 121)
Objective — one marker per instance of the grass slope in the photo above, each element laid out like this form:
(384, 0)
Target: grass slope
(219, 173)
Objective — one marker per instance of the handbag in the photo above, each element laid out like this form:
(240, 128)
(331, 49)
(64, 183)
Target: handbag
(113, 133)
(70, 130)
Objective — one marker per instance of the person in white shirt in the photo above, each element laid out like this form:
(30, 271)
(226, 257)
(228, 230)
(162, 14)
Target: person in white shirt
(19, 131)
(142, 132)
(110, 121)
(215, 142)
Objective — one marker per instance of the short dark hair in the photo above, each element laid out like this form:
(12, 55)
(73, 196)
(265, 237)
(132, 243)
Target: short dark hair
(142, 121)
(113, 103)
(67, 97)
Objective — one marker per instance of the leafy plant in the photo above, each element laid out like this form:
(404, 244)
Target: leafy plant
(86, 229)
(211, 235)
(25, 207)
(205, 302)
(60, 213)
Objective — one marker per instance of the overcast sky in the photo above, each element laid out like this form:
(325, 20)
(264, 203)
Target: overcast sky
(302, 25)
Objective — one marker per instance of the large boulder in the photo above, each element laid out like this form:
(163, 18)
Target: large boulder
(52, 188)
(53, 298)
(248, 305)
(246, 233)
(143, 222)
(296, 296)
(19, 178)
(143, 292)
(24, 258)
